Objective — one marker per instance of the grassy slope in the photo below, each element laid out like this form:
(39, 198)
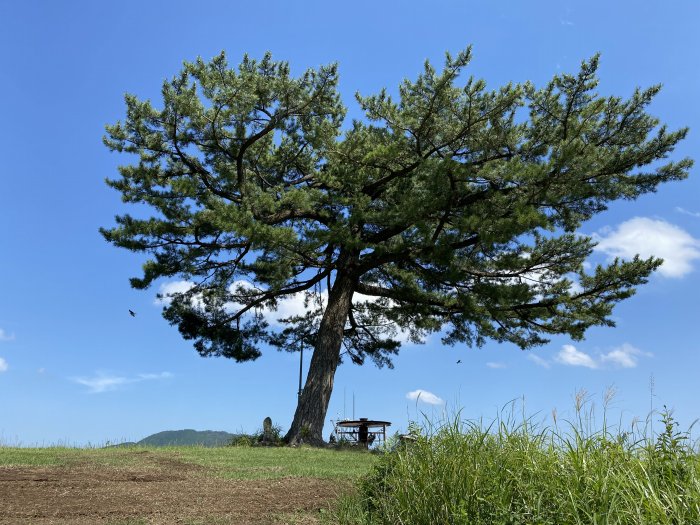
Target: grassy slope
(227, 462)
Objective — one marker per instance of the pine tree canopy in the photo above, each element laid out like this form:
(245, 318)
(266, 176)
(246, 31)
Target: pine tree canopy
(448, 208)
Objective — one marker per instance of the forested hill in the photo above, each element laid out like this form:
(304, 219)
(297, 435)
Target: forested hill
(187, 437)
(206, 438)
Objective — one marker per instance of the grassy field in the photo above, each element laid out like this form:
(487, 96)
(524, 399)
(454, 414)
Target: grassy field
(225, 462)
(456, 472)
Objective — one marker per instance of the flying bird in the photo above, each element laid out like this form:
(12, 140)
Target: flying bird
(133, 314)
(459, 361)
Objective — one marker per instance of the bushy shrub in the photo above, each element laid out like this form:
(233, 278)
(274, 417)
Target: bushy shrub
(256, 439)
(243, 440)
(275, 435)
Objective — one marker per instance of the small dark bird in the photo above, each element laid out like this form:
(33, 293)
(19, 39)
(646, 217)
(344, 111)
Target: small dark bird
(133, 314)
(459, 361)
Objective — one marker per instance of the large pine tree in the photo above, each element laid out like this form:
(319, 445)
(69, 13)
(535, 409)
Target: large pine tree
(448, 208)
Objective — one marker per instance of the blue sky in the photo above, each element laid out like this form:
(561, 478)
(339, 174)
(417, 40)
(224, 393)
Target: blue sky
(76, 368)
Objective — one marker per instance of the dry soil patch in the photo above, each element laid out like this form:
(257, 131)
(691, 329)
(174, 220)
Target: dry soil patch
(166, 492)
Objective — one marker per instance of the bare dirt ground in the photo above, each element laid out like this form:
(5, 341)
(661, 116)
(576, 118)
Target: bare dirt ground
(164, 492)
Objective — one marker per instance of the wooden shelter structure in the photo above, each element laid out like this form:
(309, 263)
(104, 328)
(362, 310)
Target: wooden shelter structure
(363, 432)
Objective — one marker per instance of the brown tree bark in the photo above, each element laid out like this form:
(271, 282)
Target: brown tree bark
(310, 415)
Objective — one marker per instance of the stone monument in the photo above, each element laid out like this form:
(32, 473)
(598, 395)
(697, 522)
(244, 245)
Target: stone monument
(268, 435)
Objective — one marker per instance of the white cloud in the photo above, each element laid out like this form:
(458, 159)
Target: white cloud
(494, 364)
(687, 212)
(570, 356)
(162, 375)
(101, 383)
(4, 336)
(288, 306)
(425, 396)
(648, 237)
(541, 275)
(575, 287)
(3, 365)
(174, 287)
(293, 305)
(625, 356)
(105, 383)
(167, 290)
(538, 360)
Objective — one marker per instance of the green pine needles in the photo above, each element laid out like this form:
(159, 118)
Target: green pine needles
(449, 208)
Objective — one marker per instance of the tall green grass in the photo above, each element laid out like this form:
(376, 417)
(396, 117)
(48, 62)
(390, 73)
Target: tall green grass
(505, 473)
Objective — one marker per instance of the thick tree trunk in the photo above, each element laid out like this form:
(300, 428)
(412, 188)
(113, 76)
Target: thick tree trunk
(310, 414)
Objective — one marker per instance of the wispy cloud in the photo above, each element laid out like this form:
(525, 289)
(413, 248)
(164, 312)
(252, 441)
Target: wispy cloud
(623, 356)
(566, 22)
(4, 336)
(495, 364)
(3, 365)
(648, 237)
(539, 361)
(687, 212)
(425, 396)
(104, 383)
(626, 356)
(146, 377)
(570, 356)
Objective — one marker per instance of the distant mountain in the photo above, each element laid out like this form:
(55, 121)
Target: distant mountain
(188, 437)
(125, 444)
